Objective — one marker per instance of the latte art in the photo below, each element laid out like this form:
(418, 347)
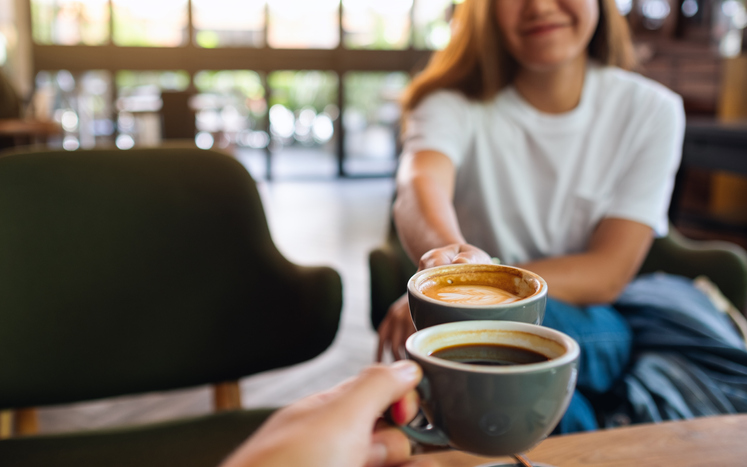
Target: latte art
(468, 294)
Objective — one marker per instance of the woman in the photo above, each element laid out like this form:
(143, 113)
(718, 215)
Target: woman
(526, 139)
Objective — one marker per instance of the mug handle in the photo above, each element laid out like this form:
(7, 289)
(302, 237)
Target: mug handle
(428, 435)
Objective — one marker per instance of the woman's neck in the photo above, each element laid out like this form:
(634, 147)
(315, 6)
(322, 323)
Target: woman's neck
(554, 91)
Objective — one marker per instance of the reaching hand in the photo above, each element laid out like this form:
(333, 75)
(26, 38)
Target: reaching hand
(456, 253)
(340, 427)
(397, 324)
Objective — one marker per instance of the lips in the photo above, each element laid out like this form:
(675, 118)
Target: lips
(543, 28)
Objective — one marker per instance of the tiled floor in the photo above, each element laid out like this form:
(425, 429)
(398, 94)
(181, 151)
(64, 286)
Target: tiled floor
(327, 222)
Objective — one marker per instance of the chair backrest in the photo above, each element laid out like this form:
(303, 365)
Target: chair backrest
(132, 271)
(724, 263)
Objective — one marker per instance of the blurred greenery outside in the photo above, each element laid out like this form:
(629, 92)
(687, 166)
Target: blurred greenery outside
(163, 80)
(297, 89)
(366, 92)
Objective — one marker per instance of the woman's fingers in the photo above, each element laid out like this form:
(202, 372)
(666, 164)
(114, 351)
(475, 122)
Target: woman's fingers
(395, 329)
(471, 254)
(384, 336)
(437, 257)
(396, 341)
(406, 330)
(453, 254)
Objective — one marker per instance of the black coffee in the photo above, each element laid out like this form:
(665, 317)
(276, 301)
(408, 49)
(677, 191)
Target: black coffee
(489, 354)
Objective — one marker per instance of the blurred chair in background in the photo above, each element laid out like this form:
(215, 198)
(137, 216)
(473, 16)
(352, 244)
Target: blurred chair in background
(177, 117)
(124, 272)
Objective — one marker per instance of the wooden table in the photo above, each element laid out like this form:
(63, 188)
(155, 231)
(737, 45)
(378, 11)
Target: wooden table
(15, 132)
(708, 441)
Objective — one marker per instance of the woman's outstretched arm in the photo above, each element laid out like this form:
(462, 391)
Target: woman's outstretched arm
(429, 231)
(424, 212)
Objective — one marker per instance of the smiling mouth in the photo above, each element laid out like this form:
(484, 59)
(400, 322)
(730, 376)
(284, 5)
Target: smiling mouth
(543, 29)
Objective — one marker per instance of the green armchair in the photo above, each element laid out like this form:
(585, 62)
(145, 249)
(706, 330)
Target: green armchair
(124, 272)
(724, 263)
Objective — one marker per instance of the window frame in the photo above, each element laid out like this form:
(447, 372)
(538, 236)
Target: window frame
(264, 60)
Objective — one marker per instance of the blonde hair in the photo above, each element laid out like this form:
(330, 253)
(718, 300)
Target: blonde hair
(476, 63)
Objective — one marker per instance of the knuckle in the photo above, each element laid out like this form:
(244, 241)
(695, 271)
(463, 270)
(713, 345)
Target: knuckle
(376, 371)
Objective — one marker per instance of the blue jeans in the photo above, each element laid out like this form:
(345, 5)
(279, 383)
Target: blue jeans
(690, 359)
(605, 340)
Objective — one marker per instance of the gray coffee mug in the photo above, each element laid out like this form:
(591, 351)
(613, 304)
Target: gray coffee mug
(492, 410)
(530, 288)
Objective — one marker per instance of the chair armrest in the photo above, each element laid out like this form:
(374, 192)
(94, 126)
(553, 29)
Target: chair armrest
(724, 263)
(390, 269)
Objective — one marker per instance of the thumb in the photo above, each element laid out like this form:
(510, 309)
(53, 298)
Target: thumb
(472, 255)
(379, 386)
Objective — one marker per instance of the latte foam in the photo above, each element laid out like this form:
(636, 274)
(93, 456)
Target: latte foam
(468, 294)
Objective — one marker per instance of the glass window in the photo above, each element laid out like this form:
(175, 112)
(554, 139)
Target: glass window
(431, 23)
(153, 23)
(303, 112)
(377, 24)
(372, 121)
(81, 103)
(230, 109)
(229, 23)
(8, 39)
(303, 24)
(303, 107)
(70, 22)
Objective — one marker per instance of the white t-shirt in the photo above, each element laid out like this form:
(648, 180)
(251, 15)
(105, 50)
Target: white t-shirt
(531, 185)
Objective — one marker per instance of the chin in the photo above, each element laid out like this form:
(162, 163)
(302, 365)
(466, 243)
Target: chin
(547, 62)
(543, 67)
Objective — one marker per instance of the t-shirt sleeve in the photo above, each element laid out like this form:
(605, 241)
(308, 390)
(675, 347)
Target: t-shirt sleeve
(439, 123)
(644, 190)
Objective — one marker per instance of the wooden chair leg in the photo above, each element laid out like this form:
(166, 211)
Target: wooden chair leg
(227, 396)
(26, 422)
(6, 424)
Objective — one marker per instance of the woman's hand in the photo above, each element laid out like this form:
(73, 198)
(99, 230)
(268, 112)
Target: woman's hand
(455, 253)
(395, 329)
(397, 324)
(340, 427)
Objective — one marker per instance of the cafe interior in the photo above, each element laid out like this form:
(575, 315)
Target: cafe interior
(155, 309)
